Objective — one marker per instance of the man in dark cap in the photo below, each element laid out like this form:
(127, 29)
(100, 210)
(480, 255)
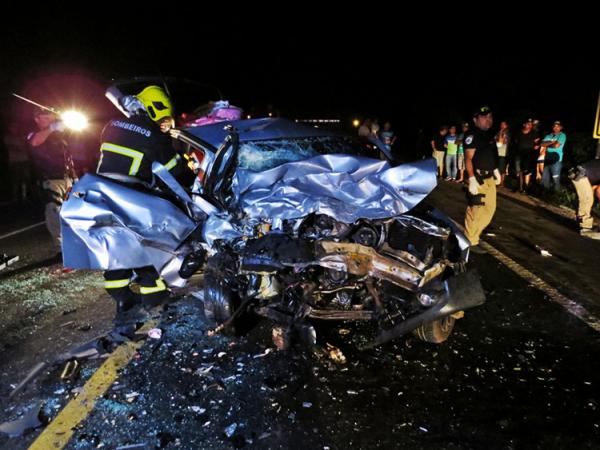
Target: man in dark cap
(526, 151)
(481, 163)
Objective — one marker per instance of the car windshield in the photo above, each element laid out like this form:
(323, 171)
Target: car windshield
(266, 154)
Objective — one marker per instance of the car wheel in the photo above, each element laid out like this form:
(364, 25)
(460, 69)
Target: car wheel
(221, 301)
(218, 300)
(437, 331)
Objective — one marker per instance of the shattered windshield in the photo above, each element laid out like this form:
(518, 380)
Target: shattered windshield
(259, 156)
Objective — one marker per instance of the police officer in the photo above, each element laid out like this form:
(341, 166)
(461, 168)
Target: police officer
(129, 147)
(586, 179)
(481, 163)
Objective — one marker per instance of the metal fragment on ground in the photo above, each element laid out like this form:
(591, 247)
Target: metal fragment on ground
(29, 421)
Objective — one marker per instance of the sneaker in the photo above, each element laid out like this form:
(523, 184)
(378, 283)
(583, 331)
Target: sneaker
(589, 233)
(477, 249)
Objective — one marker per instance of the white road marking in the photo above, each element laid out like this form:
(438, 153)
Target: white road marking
(571, 306)
(12, 233)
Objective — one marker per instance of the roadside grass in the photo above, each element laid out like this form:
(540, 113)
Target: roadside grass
(565, 196)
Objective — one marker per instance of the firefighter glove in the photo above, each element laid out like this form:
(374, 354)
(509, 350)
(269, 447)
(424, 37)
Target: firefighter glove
(473, 186)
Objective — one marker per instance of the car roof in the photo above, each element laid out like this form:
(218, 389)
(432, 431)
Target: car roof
(257, 130)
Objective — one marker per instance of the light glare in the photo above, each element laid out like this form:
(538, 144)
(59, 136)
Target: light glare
(74, 120)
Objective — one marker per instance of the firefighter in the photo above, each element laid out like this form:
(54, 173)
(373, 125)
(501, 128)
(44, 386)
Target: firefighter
(129, 147)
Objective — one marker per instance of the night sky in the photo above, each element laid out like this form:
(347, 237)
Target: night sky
(316, 63)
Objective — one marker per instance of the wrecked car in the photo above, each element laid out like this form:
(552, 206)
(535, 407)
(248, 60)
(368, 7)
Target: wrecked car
(300, 224)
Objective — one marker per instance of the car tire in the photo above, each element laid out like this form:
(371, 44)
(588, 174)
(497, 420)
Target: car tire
(218, 300)
(221, 301)
(437, 331)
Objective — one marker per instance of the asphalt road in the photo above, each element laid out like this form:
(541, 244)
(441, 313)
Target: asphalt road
(518, 372)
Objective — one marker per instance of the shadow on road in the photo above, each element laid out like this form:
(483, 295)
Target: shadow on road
(57, 259)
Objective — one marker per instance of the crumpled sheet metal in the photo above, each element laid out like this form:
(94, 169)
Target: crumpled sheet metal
(344, 187)
(95, 236)
(219, 226)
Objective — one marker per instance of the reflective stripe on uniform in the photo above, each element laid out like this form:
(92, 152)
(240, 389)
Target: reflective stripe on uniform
(160, 286)
(116, 284)
(172, 162)
(135, 155)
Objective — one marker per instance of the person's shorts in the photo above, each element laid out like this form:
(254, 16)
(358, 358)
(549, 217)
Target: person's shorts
(501, 163)
(517, 165)
(523, 165)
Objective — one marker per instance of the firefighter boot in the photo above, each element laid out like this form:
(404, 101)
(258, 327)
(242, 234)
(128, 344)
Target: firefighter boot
(126, 301)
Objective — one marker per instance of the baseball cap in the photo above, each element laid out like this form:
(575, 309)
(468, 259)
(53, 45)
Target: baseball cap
(557, 122)
(482, 111)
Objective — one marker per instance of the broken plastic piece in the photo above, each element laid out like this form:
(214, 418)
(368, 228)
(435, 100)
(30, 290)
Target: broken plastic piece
(7, 260)
(70, 371)
(141, 445)
(335, 354)
(230, 430)
(30, 420)
(262, 355)
(542, 251)
(155, 333)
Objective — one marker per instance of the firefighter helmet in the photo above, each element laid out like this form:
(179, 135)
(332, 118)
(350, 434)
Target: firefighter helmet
(157, 102)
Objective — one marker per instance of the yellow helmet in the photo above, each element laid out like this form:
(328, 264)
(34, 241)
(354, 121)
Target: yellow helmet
(157, 103)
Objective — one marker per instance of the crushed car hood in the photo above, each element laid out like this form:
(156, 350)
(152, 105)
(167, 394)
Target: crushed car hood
(345, 187)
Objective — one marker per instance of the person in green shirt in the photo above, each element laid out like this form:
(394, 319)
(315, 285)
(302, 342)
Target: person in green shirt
(451, 144)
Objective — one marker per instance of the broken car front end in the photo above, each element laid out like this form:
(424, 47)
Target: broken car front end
(297, 231)
(401, 274)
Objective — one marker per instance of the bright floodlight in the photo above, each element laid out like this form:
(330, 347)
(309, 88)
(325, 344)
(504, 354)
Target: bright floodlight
(355, 123)
(74, 120)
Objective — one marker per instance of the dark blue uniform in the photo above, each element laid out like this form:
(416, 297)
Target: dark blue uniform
(486, 153)
(130, 146)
